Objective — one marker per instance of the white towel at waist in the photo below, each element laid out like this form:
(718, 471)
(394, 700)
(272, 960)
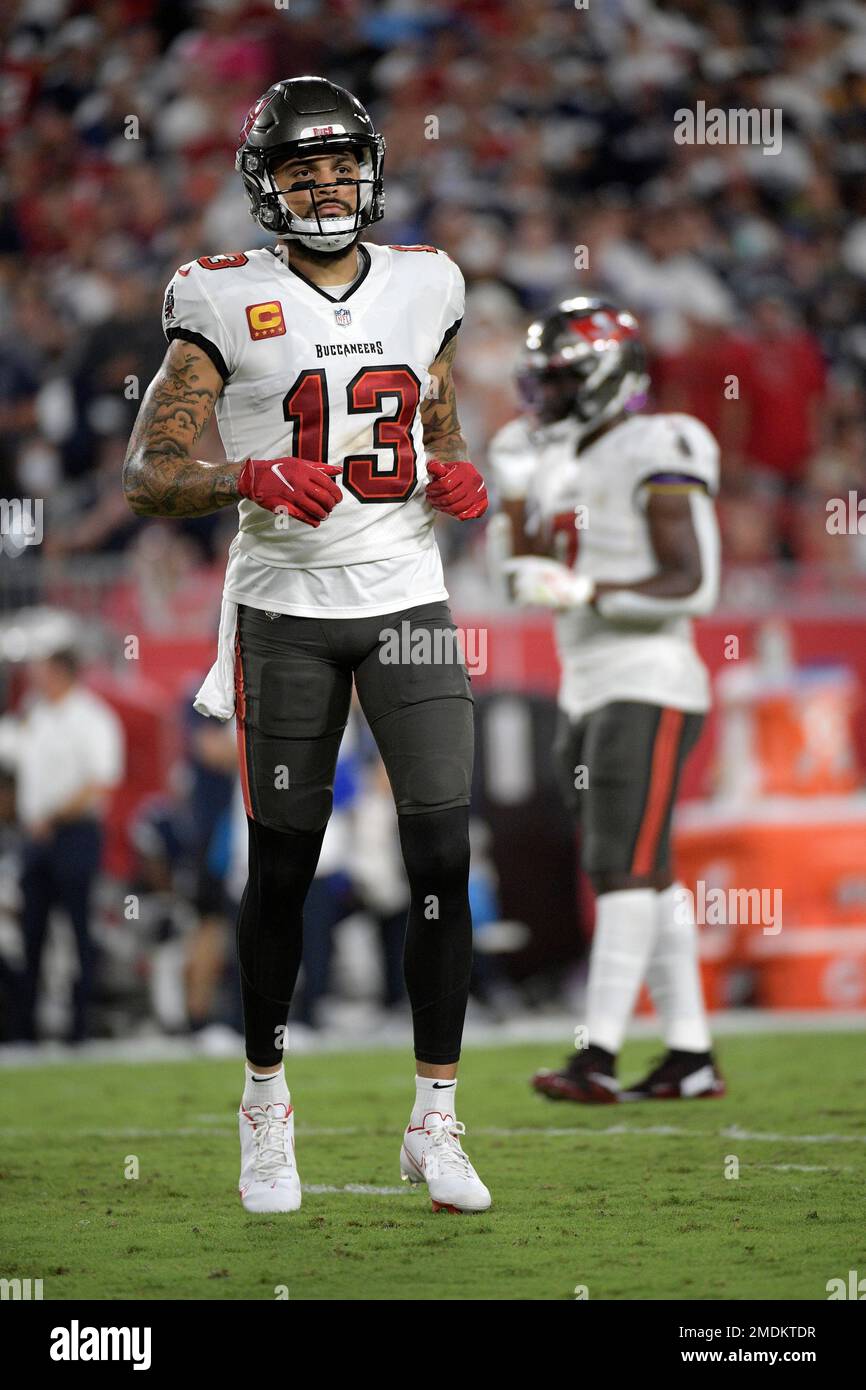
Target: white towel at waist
(217, 695)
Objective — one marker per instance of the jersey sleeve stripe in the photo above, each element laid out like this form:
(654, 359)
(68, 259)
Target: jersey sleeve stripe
(206, 346)
(448, 336)
(674, 483)
(664, 478)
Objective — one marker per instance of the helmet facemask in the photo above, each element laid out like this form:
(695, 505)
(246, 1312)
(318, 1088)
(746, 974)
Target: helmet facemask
(548, 391)
(268, 202)
(318, 232)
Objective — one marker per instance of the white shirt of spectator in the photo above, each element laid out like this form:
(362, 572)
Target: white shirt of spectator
(59, 747)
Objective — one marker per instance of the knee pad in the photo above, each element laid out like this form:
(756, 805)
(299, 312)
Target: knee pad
(435, 846)
(282, 861)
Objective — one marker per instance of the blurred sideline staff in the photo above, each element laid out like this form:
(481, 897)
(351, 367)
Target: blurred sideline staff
(66, 748)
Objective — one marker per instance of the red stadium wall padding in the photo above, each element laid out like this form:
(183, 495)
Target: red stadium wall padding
(151, 748)
(173, 663)
(148, 696)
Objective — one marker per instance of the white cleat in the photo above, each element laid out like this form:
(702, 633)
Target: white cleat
(431, 1153)
(269, 1178)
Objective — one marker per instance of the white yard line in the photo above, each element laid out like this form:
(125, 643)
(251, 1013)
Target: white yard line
(357, 1189)
(802, 1168)
(673, 1132)
(734, 1132)
(526, 1132)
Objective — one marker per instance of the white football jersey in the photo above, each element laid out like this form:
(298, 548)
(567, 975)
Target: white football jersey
(604, 487)
(336, 379)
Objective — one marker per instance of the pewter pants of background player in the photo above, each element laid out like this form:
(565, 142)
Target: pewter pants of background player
(293, 684)
(619, 768)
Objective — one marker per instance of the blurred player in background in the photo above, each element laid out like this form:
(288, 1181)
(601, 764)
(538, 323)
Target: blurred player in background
(325, 358)
(633, 495)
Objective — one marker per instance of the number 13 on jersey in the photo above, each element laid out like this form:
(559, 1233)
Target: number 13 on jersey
(369, 477)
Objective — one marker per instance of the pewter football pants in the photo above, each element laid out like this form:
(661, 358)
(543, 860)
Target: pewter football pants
(294, 680)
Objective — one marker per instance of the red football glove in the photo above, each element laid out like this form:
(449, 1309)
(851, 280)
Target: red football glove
(457, 488)
(304, 490)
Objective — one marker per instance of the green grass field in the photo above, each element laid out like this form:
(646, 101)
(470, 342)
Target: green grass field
(630, 1201)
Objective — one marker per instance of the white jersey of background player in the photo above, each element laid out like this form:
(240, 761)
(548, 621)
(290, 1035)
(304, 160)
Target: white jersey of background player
(635, 493)
(601, 496)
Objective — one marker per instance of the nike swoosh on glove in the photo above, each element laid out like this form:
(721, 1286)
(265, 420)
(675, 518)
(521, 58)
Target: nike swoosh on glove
(544, 583)
(303, 490)
(457, 488)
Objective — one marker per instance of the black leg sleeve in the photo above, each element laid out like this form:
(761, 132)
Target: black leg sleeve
(438, 955)
(270, 932)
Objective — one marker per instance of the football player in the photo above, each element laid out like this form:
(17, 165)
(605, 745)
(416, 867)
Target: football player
(328, 364)
(632, 496)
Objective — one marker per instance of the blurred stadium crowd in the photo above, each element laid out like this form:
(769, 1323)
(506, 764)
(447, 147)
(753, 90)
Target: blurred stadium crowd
(516, 135)
(535, 143)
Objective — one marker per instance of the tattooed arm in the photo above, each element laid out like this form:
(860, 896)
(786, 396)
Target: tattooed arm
(442, 437)
(457, 487)
(159, 476)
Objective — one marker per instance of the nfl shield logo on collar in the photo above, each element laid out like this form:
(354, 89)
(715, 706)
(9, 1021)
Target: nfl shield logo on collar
(343, 316)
